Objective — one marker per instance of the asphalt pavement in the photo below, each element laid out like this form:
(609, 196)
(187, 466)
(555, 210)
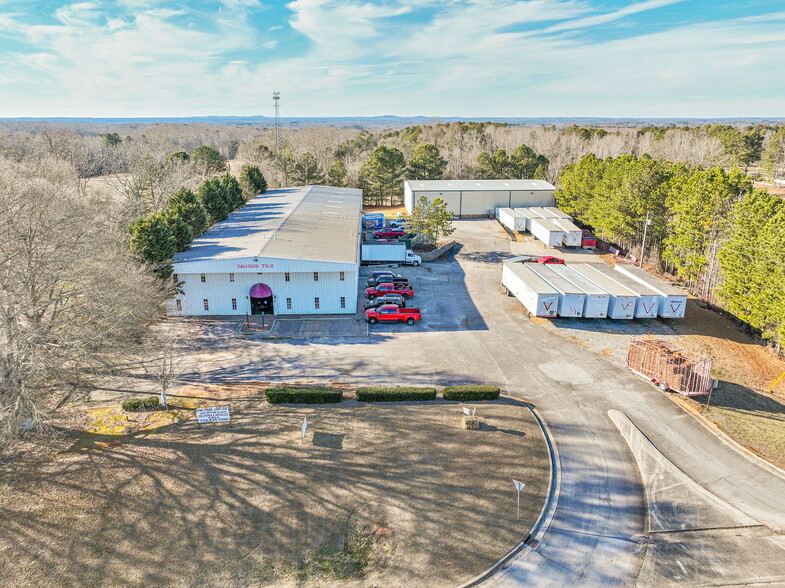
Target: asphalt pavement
(472, 332)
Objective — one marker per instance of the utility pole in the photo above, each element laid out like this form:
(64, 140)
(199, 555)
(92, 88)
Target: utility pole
(276, 102)
(643, 245)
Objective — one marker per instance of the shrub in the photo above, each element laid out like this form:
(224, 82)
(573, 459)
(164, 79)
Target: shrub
(303, 395)
(149, 403)
(394, 394)
(472, 392)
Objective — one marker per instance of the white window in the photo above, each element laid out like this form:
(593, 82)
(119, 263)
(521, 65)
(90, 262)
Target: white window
(234, 303)
(206, 304)
(287, 277)
(179, 304)
(343, 301)
(342, 276)
(231, 277)
(315, 276)
(288, 304)
(203, 278)
(316, 303)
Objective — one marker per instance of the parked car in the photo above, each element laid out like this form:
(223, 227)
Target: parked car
(392, 313)
(383, 276)
(399, 223)
(398, 281)
(387, 299)
(389, 288)
(549, 259)
(388, 233)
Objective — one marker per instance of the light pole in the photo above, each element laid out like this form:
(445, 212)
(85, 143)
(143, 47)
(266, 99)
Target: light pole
(643, 245)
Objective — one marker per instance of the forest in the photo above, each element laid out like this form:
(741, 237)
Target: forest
(97, 211)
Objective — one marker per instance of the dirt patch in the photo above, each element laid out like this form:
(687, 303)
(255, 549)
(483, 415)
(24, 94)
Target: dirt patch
(391, 495)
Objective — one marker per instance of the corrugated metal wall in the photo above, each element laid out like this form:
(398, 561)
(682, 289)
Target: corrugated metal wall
(301, 290)
(478, 203)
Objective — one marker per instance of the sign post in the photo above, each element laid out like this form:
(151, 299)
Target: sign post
(518, 486)
(304, 428)
(471, 412)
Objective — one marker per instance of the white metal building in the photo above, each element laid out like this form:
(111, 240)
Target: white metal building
(479, 197)
(288, 251)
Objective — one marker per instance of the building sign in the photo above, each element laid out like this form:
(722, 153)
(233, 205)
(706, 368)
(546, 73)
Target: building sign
(213, 414)
(255, 266)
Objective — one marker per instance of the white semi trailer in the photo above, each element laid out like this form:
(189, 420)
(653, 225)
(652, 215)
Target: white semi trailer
(622, 301)
(571, 297)
(527, 217)
(572, 235)
(511, 219)
(597, 299)
(536, 295)
(546, 232)
(673, 302)
(648, 301)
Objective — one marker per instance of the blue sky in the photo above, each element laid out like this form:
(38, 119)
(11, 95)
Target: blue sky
(473, 58)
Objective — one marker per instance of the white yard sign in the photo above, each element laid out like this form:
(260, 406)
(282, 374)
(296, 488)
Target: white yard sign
(213, 414)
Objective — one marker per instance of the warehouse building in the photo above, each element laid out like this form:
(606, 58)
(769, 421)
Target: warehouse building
(467, 198)
(288, 251)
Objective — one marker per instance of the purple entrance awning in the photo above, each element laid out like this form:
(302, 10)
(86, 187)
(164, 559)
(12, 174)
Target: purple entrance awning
(261, 291)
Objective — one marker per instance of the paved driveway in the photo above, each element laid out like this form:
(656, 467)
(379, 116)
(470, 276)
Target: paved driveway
(473, 333)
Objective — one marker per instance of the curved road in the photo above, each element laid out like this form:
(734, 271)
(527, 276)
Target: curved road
(597, 536)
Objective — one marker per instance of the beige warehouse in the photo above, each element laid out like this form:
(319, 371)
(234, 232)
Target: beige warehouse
(467, 198)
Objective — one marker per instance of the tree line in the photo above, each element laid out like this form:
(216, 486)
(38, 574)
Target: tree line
(708, 226)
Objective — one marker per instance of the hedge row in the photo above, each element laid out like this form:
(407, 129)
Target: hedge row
(303, 395)
(471, 392)
(394, 394)
(149, 403)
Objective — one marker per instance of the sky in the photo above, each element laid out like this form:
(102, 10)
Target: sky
(469, 58)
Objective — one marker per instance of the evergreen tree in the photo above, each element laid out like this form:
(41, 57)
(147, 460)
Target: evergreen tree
(186, 205)
(382, 174)
(151, 239)
(211, 196)
(180, 230)
(232, 192)
(526, 164)
(338, 176)
(494, 166)
(774, 155)
(426, 163)
(209, 159)
(178, 157)
(431, 219)
(306, 171)
(252, 181)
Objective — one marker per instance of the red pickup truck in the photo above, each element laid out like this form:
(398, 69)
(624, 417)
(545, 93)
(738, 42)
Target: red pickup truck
(388, 233)
(391, 312)
(404, 290)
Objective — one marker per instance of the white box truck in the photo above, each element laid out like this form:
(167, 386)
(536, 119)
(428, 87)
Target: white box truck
(389, 252)
(648, 302)
(673, 302)
(514, 221)
(546, 232)
(539, 298)
(622, 301)
(597, 299)
(572, 235)
(571, 297)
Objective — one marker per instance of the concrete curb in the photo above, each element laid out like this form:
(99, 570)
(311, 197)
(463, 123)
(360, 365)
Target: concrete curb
(543, 521)
(727, 439)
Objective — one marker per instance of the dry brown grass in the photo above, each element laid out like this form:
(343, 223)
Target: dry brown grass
(391, 495)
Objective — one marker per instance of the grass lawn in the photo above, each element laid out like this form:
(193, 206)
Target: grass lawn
(387, 495)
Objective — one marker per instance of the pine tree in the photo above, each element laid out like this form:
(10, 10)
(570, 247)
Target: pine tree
(426, 163)
(180, 230)
(306, 171)
(211, 196)
(338, 175)
(151, 239)
(382, 174)
(186, 205)
(252, 181)
(209, 159)
(232, 192)
(431, 219)
(526, 164)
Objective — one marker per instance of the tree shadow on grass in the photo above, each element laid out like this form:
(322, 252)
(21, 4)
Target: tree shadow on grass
(742, 399)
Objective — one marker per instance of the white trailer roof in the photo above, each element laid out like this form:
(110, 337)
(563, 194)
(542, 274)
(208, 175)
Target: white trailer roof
(547, 224)
(526, 212)
(478, 185)
(614, 288)
(565, 225)
(583, 283)
(539, 211)
(511, 212)
(626, 281)
(653, 281)
(556, 212)
(318, 223)
(554, 279)
(535, 282)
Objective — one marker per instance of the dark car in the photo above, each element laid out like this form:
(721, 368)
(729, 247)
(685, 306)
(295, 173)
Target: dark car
(387, 299)
(380, 277)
